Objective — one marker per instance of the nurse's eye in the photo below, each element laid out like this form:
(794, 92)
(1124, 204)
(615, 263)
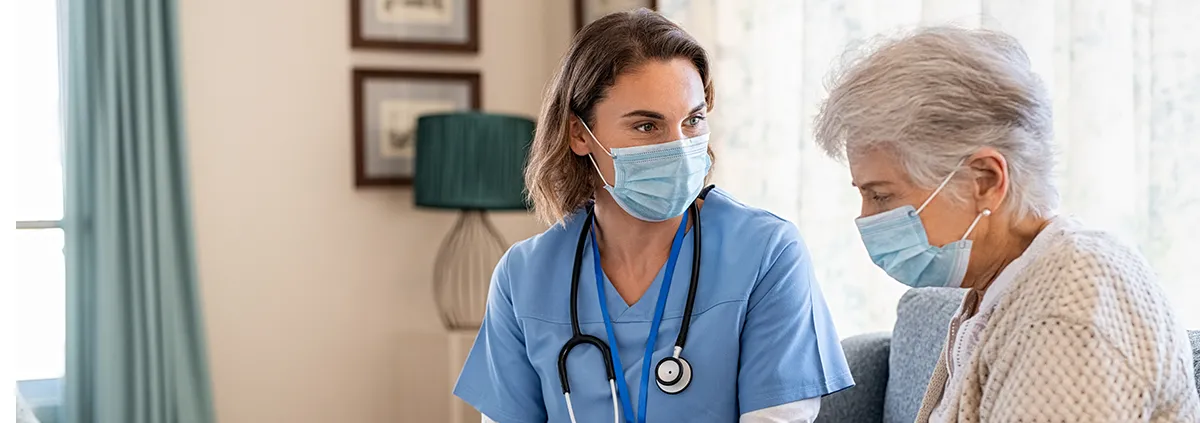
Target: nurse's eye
(645, 127)
(695, 120)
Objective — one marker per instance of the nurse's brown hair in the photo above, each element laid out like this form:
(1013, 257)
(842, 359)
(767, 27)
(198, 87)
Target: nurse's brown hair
(559, 181)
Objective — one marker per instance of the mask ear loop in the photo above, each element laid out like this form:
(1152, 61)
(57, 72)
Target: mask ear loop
(986, 212)
(939, 188)
(593, 159)
(981, 215)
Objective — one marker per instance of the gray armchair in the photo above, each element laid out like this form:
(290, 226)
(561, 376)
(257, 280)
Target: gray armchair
(891, 370)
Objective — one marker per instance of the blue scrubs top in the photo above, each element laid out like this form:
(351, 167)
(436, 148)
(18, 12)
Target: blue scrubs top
(761, 334)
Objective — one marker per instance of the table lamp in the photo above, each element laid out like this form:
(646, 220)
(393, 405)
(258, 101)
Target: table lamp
(472, 162)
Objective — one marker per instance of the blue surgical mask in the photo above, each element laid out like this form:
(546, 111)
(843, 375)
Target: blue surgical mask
(657, 182)
(897, 243)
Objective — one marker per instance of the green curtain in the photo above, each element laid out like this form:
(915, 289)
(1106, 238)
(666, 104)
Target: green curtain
(135, 339)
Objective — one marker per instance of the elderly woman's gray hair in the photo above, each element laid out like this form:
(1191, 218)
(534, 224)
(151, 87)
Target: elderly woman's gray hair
(936, 96)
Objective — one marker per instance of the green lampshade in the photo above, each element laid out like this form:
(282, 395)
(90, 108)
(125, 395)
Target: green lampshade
(471, 160)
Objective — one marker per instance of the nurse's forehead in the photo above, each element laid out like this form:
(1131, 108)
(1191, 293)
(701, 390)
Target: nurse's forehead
(668, 87)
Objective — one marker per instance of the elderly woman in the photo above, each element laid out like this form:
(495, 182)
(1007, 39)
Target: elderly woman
(948, 137)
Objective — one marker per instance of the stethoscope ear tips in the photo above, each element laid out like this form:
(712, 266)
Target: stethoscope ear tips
(673, 374)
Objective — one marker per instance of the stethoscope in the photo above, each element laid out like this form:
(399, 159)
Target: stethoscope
(672, 373)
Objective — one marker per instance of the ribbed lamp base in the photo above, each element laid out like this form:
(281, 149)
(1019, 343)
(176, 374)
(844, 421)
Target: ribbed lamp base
(462, 273)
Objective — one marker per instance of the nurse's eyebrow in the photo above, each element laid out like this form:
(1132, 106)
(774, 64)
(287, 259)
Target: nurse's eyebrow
(645, 114)
(659, 116)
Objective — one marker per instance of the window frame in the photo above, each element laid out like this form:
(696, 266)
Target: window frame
(39, 224)
(42, 395)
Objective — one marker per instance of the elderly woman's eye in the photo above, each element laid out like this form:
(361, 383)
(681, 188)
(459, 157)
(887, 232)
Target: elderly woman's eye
(881, 198)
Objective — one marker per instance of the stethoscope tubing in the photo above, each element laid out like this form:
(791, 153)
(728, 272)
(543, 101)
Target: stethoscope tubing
(578, 337)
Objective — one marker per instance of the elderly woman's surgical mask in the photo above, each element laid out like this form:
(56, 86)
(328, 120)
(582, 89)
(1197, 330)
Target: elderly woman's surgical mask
(897, 243)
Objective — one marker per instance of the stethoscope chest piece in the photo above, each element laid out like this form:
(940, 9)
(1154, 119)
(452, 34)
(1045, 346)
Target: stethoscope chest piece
(673, 374)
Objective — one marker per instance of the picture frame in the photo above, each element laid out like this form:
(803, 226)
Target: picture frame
(420, 25)
(587, 11)
(386, 105)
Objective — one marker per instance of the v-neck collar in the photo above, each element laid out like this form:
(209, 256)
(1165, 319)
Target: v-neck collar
(643, 308)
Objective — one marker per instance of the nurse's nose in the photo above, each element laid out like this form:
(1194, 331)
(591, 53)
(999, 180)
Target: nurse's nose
(677, 133)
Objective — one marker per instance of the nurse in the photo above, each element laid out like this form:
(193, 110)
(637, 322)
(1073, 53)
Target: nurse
(698, 307)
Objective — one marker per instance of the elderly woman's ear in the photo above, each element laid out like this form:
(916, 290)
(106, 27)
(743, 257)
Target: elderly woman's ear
(990, 172)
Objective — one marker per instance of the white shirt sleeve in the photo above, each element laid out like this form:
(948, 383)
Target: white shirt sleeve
(803, 411)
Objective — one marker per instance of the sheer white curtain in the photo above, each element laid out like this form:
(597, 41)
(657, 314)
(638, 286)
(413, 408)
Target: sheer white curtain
(1125, 76)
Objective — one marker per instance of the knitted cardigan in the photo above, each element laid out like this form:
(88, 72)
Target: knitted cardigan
(1084, 334)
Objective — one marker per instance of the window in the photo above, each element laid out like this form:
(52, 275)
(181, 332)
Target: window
(1125, 83)
(39, 262)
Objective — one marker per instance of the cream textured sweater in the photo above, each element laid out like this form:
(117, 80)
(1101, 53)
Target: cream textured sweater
(1084, 334)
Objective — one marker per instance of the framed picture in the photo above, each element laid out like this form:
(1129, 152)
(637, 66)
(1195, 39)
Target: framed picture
(587, 11)
(439, 25)
(386, 106)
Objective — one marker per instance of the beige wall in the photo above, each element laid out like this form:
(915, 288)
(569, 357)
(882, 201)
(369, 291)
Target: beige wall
(318, 296)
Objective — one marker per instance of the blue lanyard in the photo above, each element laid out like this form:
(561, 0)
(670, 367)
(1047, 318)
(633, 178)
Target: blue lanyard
(622, 387)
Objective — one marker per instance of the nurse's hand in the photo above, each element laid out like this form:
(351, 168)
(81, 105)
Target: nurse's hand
(803, 411)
